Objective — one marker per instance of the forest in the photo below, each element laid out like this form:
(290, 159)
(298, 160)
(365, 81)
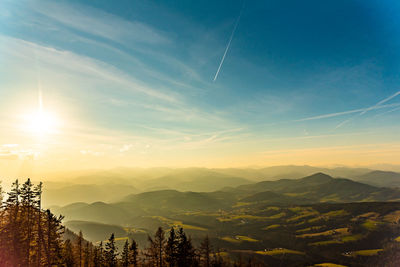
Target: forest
(33, 236)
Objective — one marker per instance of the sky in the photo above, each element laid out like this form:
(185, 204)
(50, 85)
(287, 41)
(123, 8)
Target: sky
(101, 84)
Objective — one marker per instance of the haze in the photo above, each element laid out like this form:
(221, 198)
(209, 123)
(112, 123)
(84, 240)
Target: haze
(96, 85)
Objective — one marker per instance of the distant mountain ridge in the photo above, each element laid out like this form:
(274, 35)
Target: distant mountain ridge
(380, 178)
(111, 185)
(316, 188)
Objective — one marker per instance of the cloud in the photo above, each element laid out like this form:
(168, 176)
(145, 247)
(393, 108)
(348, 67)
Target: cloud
(80, 65)
(336, 114)
(377, 105)
(125, 148)
(99, 23)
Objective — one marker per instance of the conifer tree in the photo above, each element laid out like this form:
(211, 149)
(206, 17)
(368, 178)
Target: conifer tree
(125, 254)
(155, 252)
(53, 233)
(27, 199)
(86, 259)
(39, 236)
(111, 252)
(205, 251)
(186, 252)
(171, 249)
(68, 255)
(159, 240)
(96, 257)
(79, 248)
(133, 253)
(12, 230)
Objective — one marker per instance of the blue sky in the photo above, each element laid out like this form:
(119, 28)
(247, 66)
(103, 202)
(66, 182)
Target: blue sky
(132, 82)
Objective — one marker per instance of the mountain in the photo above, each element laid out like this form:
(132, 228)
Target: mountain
(320, 187)
(85, 193)
(274, 198)
(112, 185)
(172, 200)
(96, 212)
(291, 172)
(95, 232)
(316, 188)
(380, 178)
(194, 179)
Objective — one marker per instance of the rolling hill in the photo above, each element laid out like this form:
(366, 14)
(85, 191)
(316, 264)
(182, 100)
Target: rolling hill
(380, 178)
(317, 188)
(320, 187)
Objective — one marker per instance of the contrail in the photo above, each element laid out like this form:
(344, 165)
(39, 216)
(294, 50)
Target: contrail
(229, 43)
(368, 109)
(381, 102)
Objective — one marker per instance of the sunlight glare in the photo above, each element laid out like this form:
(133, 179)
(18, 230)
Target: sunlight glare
(43, 122)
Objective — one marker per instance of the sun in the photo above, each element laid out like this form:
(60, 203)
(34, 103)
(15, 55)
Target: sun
(42, 122)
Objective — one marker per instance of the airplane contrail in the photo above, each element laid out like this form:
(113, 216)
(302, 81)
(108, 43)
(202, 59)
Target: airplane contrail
(368, 109)
(229, 43)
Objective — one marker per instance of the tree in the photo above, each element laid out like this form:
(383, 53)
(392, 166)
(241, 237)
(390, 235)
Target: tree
(27, 199)
(79, 248)
(185, 250)
(133, 253)
(111, 252)
(86, 259)
(125, 254)
(205, 251)
(155, 252)
(68, 255)
(38, 202)
(53, 232)
(12, 229)
(171, 249)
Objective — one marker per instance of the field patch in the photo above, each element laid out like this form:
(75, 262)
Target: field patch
(273, 226)
(339, 231)
(279, 251)
(365, 252)
(239, 239)
(393, 217)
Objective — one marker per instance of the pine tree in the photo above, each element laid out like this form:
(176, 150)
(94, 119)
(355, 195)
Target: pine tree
(159, 240)
(111, 252)
(96, 257)
(205, 251)
(125, 254)
(27, 200)
(186, 252)
(79, 248)
(86, 258)
(53, 233)
(133, 253)
(12, 230)
(171, 249)
(155, 252)
(39, 236)
(68, 255)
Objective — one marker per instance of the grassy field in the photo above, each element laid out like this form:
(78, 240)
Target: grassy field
(366, 252)
(279, 251)
(272, 226)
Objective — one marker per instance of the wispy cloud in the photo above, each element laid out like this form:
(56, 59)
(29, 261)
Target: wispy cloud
(99, 23)
(78, 64)
(377, 105)
(337, 114)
